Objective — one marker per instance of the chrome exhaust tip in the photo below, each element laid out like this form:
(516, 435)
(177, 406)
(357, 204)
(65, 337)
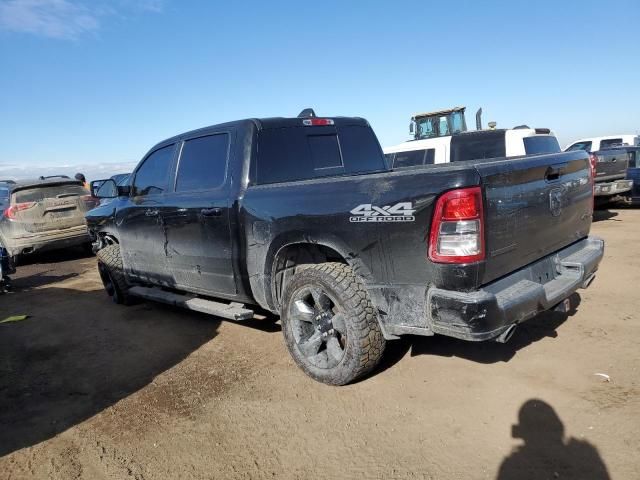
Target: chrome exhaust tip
(506, 335)
(588, 281)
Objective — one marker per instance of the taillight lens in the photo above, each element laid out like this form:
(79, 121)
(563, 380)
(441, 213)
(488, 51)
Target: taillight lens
(457, 230)
(593, 160)
(12, 211)
(91, 201)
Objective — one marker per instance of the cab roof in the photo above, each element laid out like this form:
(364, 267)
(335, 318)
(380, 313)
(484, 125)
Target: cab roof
(264, 124)
(439, 112)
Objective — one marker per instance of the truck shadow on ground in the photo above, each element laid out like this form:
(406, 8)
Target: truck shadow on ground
(605, 214)
(546, 452)
(40, 269)
(78, 354)
(55, 256)
(543, 326)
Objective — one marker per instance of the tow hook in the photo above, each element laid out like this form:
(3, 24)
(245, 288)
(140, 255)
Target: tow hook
(506, 335)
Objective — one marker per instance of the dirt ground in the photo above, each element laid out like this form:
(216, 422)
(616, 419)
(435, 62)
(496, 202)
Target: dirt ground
(92, 390)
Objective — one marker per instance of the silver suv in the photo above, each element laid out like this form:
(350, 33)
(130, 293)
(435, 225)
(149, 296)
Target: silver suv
(43, 214)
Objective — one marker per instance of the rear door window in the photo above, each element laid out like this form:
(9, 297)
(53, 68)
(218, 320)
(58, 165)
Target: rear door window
(203, 163)
(152, 178)
(38, 194)
(540, 144)
(611, 142)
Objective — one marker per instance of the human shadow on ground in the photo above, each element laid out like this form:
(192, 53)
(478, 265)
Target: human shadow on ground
(546, 453)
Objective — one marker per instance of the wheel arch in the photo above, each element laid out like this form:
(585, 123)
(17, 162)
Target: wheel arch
(288, 252)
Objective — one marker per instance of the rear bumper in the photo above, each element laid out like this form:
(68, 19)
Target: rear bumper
(487, 313)
(47, 241)
(612, 188)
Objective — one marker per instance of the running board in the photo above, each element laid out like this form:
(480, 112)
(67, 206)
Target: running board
(231, 311)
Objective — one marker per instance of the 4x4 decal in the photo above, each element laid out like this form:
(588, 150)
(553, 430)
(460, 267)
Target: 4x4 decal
(400, 212)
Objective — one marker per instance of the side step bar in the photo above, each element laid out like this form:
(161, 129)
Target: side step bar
(231, 311)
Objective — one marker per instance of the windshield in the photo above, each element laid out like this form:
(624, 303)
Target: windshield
(586, 146)
(457, 123)
(440, 125)
(426, 127)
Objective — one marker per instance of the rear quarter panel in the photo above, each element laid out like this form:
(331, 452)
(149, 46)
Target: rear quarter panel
(320, 211)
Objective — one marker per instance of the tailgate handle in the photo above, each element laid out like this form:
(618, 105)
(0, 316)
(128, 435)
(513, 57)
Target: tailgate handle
(211, 212)
(554, 172)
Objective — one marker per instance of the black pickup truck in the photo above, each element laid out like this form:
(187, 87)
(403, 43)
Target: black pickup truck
(303, 217)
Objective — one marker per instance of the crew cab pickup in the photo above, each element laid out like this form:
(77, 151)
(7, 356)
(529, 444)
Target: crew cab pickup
(304, 218)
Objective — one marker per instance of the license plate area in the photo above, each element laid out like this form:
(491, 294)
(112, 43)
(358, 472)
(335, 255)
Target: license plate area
(57, 214)
(544, 271)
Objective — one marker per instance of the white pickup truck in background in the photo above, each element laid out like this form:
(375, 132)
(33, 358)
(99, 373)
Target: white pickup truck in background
(594, 144)
(610, 163)
(442, 137)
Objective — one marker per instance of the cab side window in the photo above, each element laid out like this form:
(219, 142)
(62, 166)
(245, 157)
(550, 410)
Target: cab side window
(203, 163)
(152, 178)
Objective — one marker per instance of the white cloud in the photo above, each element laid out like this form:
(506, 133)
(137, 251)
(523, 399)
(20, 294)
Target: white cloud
(65, 19)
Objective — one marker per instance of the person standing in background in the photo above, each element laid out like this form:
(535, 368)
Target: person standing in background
(81, 177)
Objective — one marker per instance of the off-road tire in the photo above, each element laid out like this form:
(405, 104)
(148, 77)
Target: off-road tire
(364, 344)
(112, 274)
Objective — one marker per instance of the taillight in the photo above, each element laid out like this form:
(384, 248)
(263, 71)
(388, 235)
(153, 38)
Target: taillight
(90, 200)
(11, 212)
(593, 160)
(457, 230)
(315, 122)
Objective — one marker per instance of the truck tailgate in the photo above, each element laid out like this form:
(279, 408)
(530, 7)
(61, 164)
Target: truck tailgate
(534, 206)
(611, 164)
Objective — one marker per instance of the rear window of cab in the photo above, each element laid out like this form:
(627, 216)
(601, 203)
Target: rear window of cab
(38, 194)
(301, 153)
(540, 144)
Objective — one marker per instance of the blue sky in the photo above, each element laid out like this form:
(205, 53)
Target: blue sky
(95, 81)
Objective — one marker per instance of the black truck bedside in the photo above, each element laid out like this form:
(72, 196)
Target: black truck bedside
(304, 218)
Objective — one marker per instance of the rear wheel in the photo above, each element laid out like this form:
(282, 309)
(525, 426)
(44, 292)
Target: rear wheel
(112, 274)
(329, 324)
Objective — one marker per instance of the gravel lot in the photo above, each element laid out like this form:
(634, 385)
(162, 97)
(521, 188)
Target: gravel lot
(92, 390)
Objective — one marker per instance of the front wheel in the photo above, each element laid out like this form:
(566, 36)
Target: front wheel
(329, 324)
(112, 274)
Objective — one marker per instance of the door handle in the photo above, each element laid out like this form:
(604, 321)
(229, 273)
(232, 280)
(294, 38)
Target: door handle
(152, 212)
(211, 212)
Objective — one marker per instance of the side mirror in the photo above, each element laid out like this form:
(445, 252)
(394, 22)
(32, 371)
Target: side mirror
(104, 189)
(411, 128)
